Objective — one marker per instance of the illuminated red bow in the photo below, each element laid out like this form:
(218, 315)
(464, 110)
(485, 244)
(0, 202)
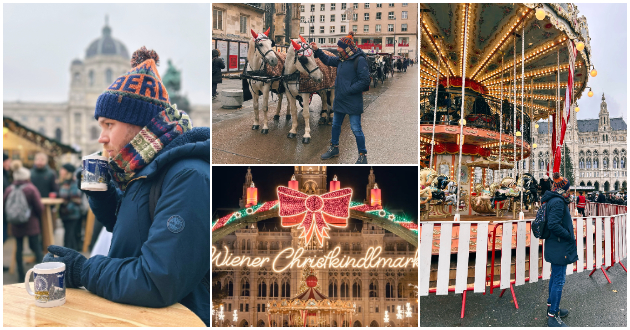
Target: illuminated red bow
(314, 212)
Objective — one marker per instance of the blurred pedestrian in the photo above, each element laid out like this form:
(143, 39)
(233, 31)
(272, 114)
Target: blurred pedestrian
(217, 66)
(353, 77)
(560, 249)
(70, 209)
(581, 203)
(21, 198)
(6, 182)
(545, 185)
(43, 177)
(160, 244)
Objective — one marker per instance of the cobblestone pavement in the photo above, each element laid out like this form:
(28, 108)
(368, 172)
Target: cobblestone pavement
(389, 123)
(591, 301)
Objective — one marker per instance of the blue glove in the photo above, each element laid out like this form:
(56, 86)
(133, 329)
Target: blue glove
(73, 260)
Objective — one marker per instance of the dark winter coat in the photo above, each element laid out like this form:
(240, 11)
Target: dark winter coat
(44, 179)
(601, 198)
(159, 263)
(6, 179)
(545, 185)
(217, 66)
(70, 210)
(560, 247)
(349, 84)
(32, 227)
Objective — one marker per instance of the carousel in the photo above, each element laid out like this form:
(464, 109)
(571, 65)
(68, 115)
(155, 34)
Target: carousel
(489, 75)
(310, 307)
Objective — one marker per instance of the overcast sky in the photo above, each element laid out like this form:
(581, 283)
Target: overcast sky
(607, 24)
(41, 40)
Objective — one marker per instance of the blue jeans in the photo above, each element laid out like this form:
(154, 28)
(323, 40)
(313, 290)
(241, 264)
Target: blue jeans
(355, 125)
(556, 283)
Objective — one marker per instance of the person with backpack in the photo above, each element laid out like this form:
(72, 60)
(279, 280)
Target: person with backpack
(157, 202)
(23, 211)
(70, 209)
(6, 182)
(217, 66)
(353, 78)
(560, 249)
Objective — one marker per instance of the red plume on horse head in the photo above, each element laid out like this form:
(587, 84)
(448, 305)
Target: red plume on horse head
(303, 40)
(267, 32)
(295, 45)
(254, 34)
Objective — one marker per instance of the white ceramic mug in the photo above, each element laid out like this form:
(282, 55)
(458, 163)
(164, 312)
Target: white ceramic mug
(95, 174)
(49, 284)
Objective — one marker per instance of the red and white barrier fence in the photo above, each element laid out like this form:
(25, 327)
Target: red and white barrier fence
(601, 209)
(442, 239)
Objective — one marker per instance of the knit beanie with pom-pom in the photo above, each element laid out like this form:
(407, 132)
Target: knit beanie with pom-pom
(348, 47)
(19, 172)
(138, 95)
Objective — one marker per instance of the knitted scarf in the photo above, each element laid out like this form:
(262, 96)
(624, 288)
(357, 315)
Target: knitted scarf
(147, 144)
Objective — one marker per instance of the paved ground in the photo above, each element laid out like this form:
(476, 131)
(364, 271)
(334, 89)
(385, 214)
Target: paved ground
(390, 125)
(591, 301)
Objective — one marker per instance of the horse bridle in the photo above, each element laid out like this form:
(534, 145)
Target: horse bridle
(257, 45)
(300, 53)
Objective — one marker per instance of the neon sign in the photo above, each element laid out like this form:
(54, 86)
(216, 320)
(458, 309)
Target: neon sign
(295, 258)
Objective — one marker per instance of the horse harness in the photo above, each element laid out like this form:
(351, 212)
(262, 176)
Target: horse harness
(294, 77)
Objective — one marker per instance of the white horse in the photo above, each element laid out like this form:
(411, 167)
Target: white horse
(260, 54)
(300, 58)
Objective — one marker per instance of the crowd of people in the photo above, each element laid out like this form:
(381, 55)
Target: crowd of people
(23, 208)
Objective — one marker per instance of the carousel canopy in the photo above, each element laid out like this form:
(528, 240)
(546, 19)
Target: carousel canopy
(494, 33)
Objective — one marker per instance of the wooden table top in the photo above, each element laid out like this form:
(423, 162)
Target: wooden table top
(51, 201)
(85, 309)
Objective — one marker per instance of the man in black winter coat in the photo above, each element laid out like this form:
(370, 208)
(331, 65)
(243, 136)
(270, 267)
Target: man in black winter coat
(545, 185)
(217, 66)
(560, 249)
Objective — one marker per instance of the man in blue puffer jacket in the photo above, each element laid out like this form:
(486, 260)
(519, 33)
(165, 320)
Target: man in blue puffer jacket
(560, 248)
(352, 79)
(152, 262)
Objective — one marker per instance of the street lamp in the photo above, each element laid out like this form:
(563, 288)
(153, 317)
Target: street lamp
(394, 35)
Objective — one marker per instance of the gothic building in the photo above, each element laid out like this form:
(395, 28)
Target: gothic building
(598, 150)
(373, 290)
(72, 122)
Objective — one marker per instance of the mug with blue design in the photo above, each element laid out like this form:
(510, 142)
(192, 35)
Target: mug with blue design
(95, 174)
(49, 284)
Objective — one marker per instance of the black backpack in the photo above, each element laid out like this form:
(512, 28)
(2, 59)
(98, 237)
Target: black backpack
(539, 225)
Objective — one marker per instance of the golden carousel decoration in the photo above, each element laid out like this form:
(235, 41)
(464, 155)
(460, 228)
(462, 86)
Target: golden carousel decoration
(310, 307)
(488, 73)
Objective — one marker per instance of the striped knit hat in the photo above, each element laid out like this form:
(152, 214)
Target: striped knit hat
(348, 47)
(138, 95)
(560, 185)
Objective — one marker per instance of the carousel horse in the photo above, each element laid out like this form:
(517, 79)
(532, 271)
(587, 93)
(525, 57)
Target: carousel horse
(481, 203)
(530, 195)
(260, 55)
(300, 59)
(427, 175)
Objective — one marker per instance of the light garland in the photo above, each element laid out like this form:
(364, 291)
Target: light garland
(331, 260)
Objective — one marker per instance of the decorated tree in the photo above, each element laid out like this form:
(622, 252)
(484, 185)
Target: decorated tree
(566, 167)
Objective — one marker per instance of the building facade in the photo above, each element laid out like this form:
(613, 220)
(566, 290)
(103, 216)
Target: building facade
(598, 150)
(374, 290)
(324, 23)
(386, 27)
(72, 122)
(286, 22)
(231, 26)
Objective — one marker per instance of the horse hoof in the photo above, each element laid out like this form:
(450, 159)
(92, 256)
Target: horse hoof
(276, 117)
(291, 135)
(265, 131)
(255, 127)
(288, 117)
(322, 121)
(306, 140)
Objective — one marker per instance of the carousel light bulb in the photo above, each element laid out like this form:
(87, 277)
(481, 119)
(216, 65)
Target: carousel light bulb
(590, 94)
(577, 109)
(593, 73)
(462, 121)
(580, 46)
(518, 133)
